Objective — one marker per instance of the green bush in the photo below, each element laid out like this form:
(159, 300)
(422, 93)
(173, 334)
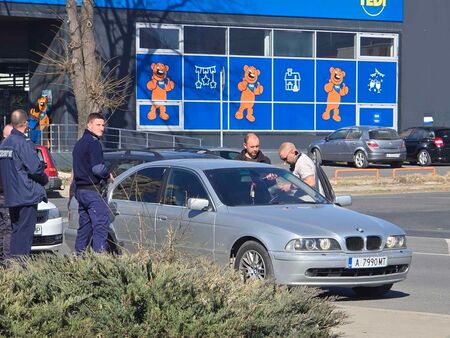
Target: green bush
(132, 296)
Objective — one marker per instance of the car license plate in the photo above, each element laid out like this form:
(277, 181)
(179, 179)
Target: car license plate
(38, 230)
(366, 262)
(393, 155)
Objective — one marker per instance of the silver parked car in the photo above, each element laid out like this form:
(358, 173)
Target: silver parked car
(262, 218)
(360, 146)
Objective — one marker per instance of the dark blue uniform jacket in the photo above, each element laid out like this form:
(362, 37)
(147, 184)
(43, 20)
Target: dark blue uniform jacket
(88, 164)
(21, 171)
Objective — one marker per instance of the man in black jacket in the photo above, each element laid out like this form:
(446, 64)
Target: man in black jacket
(23, 179)
(251, 150)
(90, 175)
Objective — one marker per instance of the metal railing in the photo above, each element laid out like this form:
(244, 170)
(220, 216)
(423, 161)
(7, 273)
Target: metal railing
(62, 138)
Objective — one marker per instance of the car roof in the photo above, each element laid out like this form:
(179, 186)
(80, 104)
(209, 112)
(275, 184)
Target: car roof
(430, 128)
(206, 164)
(152, 155)
(368, 127)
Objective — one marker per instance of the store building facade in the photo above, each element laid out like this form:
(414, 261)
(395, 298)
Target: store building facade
(289, 70)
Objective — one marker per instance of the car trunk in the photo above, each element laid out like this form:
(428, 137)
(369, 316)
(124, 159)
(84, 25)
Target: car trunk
(387, 139)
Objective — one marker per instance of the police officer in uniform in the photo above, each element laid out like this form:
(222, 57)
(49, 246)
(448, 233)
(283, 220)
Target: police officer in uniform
(90, 177)
(23, 179)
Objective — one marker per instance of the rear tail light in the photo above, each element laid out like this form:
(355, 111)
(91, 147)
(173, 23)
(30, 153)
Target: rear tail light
(52, 172)
(438, 142)
(372, 144)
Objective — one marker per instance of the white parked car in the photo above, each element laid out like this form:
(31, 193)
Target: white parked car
(48, 235)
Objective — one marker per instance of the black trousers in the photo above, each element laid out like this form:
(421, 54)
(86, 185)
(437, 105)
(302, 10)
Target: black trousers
(23, 223)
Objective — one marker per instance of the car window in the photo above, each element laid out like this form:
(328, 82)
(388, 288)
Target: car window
(383, 134)
(406, 133)
(143, 186)
(118, 166)
(181, 186)
(338, 135)
(39, 153)
(421, 134)
(445, 134)
(260, 186)
(354, 134)
(229, 155)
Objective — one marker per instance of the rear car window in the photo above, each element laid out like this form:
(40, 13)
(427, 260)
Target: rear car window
(383, 134)
(443, 133)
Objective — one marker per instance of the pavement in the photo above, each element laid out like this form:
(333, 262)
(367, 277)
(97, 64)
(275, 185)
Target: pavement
(375, 323)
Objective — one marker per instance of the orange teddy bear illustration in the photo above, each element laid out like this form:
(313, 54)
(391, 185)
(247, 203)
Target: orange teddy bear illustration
(249, 88)
(159, 85)
(335, 88)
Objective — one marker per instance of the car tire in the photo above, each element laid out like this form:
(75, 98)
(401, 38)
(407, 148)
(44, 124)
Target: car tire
(372, 291)
(360, 160)
(253, 261)
(316, 156)
(423, 158)
(396, 164)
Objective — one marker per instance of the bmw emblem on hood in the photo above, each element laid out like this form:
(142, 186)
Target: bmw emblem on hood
(360, 230)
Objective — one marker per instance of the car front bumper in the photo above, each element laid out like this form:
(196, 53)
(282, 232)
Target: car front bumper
(299, 268)
(48, 236)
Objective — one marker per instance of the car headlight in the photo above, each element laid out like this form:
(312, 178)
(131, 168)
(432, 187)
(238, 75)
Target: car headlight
(53, 213)
(312, 244)
(395, 242)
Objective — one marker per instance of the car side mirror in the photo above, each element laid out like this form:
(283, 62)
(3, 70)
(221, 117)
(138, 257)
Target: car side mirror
(343, 201)
(199, 204)
(327, 138)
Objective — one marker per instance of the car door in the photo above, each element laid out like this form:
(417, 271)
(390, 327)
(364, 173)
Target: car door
(352, 141)
(190, 230)
(334, 145)
(410, 138)
(133, 202)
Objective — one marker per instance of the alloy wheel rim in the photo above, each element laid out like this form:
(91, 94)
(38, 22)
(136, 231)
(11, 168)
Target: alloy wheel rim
(359, 159)
(252, 265)
(423, 158)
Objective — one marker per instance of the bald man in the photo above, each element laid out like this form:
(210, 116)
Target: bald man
(251, 150)
(300, 164)
(23, 179)
(5, 222)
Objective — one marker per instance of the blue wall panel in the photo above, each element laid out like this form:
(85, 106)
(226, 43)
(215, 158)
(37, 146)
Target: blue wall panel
(376, 117)
(204, 116)
(288, 116)
(346, 111)
(262, 114)
(323, 77)
(377, 82)
(172, 110)
(293, 80)
(202, 77)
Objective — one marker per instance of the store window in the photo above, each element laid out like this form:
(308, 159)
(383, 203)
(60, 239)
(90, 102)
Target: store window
(335, 45)
(154, 38)
(376, 46)
(204, 40)
(293, 44)
(249, 42)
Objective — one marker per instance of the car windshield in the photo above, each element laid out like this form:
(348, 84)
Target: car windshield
(261, 186)
(383, 134)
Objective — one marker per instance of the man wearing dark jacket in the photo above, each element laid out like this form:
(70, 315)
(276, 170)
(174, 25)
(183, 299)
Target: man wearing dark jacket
(251, 150)
(23, 179)
(5, 222)
(90, 175)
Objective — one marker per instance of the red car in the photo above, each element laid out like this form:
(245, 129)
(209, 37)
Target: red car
(54, 182)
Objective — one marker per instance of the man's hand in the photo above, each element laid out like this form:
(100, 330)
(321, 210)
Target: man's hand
(110, 178)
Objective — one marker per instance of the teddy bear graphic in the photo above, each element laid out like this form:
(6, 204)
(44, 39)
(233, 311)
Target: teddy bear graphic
(159, 85)
(335, 88)
(249, 87)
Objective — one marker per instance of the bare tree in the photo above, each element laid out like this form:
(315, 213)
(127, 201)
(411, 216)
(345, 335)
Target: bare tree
(92, 79)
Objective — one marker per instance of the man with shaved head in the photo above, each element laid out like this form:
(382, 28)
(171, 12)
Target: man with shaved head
(23, 179)
(251, 150)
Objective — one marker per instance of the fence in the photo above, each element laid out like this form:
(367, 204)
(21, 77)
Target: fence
(62, 138)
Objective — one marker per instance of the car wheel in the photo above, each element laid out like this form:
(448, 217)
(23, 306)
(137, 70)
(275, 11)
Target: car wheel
(253, 261)
(360, 160)
(396, 164)
(317, 156)
(372, 291)
(423, 158)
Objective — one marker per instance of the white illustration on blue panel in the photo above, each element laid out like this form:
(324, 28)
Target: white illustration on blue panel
(205, 77)
(292, 80)
(375, 81)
